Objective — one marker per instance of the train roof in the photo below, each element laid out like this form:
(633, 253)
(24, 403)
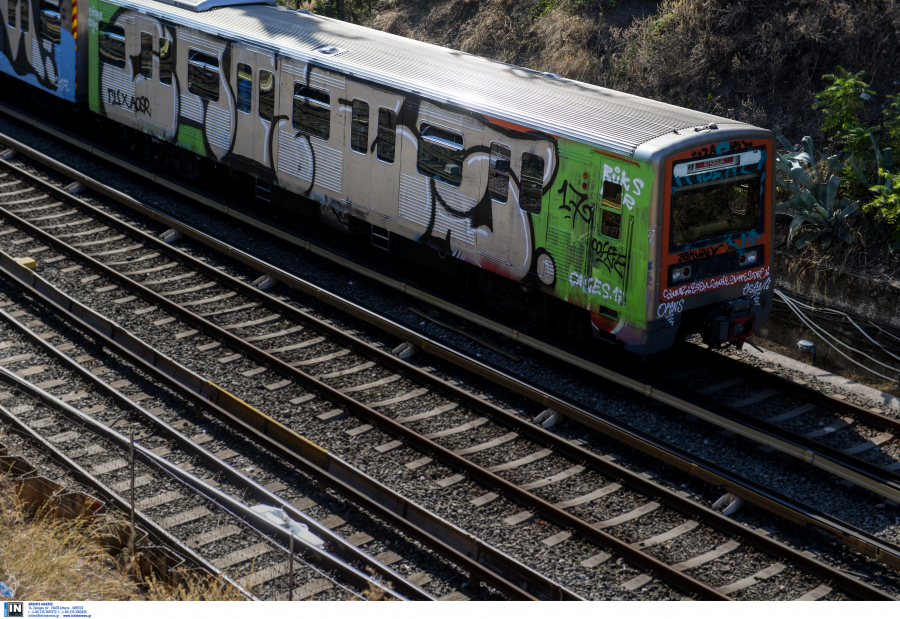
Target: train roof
(604, 118)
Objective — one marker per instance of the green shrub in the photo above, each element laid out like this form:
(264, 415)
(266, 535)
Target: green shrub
(842, 103)
(886, 203)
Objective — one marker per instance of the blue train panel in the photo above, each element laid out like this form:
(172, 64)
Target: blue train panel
(39, 45)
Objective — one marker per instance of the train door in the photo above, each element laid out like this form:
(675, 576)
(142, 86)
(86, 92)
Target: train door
(385, 148)
(611, 242)
(573, 205)
(495, 167)
(358, 141)
(154, 92)
(256, 84)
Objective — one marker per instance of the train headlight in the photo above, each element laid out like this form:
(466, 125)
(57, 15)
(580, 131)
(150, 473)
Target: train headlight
(748, 258)
(680, 273)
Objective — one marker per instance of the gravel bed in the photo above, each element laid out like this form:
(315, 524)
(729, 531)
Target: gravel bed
(263, 467)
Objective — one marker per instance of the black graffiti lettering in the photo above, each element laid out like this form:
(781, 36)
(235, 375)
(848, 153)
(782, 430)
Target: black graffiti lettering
(608, 255)
(703, 252)
(576, 207)
(141, 105)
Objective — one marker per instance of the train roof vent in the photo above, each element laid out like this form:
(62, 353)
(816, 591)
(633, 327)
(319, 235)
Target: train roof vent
(330, 50)
(198, 6)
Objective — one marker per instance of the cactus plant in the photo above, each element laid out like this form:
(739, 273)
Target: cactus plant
(814, 190)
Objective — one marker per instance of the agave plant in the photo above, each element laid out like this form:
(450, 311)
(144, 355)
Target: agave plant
(814, 194)
(886, 202)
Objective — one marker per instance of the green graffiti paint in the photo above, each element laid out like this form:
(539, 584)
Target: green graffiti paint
(594, 226)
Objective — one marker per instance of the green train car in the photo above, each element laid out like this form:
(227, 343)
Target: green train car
(614, 216)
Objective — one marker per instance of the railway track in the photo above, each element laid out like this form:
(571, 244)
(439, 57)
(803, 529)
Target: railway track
(449, 421)
(188, 515)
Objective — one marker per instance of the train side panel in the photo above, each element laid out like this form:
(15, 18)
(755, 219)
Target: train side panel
(39, 46)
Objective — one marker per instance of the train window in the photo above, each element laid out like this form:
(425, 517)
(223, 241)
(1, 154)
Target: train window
(312, 111)
(23, 16)
(612, 194)
(610, 224)
(244, 87)
(50, 22)
(440, 155)
(359, 127)
(112, 45)
(165, 62)
(498, 175)
(11, 13)
(532, 183)
(266, 95)
(203, 75)
(146, 56)
(715, 209)
(387, 135)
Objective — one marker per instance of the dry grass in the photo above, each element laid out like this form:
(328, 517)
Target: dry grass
(44, 558)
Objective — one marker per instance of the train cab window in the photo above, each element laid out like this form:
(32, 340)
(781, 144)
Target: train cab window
(498, 175)
(146, 56)
(387, 135)
(11, 13)
(266, 95)
(359, 127)
(440, 155)
(23, 16)
(165, 62)
(612, 195)
(244, 87)
(112, 45)
(610, 224)
(532, 183)
(50, 22)
(312, 111)
(203, 75)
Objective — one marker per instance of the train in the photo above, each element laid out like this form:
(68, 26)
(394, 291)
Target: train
(610, 216)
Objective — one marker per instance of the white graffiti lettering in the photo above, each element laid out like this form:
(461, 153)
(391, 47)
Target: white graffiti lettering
(651, 234)
(754, 289)
(94, 17)
(670, 308)
(595, 286)
(629, 186)
(713, 284)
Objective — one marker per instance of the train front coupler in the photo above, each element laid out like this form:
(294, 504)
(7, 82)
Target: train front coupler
(729, 323)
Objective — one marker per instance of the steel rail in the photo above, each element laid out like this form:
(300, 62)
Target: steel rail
(90, 481)
(348, 553)
(392, 427)
(737, 485)
(481, 560)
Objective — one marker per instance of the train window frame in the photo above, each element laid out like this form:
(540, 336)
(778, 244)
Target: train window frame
(260, 103)
(198, 61)
(494, 173)
(11, 9)
(392, 133)
(442, 143)
(719, 236)
(356, 121)
(241, 92)
(50, 21)
(146, 48)
(614, 213)
(540, 186)
(606, 198)
(24, 17)
(112, 32)
(166, 67)
(303, 99)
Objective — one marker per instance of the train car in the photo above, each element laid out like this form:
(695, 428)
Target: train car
(39, 46)
(622, 218)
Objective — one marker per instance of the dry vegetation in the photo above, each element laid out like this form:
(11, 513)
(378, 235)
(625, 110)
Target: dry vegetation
(42, 558)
